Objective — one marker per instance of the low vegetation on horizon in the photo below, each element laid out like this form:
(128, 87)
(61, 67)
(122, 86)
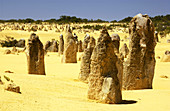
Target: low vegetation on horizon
(73, 19)
(161, 22)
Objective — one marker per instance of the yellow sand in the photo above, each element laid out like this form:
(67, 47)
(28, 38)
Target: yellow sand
(60, 90)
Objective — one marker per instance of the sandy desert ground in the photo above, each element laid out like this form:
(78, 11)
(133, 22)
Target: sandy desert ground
(60, 89)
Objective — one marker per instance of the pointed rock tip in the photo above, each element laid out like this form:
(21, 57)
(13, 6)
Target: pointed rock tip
(141, 15)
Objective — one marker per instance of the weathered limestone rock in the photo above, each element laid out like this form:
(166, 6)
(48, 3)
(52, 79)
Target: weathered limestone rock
(11, 42)
(76, 39)
(1, 81)
(34, 28)
(86, 41)
(92, 42)
(116, 41)
(14, 49)
(80, 57)
(20, 43)
(7, 51)
(86, 61)
(61, 45)
(156, 36)
(12, 87)
(166, 57)
(119, 65)
(51, 46)
(47, 45)
(103, 81)
(124, 51)
(70, 47)
(77, 46)
(80, 47)
(8, 71)
(54, 46)
(140, 64)
(35, 56)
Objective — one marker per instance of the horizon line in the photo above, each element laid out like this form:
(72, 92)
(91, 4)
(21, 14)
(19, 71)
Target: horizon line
(76, 17)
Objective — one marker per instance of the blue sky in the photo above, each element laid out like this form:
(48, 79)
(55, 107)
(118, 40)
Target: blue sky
(90, 9)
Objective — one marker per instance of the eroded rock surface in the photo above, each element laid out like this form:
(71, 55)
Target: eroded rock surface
(116, 41)
(61, 45)
(103, 81)
(70, 47)
(12, 87)
(80, 46)
(35, 56)
(86, 61)
(51, 46)
(124, 51)
(140, 64)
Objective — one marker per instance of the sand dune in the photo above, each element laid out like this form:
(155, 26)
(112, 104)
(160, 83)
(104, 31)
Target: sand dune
(61, 90)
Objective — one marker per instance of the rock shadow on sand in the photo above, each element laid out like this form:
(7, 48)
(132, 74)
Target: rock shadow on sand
(128, 102)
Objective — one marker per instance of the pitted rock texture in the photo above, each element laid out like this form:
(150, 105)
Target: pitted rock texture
(35, 56)
(86, 41)
(138, 71)
(51, 46)
(116, 41)
(70, 47)
(124, 51)
(86, 61)
(61, 45)
(80, 46)
(103, 81)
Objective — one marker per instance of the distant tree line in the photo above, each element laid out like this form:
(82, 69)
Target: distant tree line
(126, 20)
(161, 23)
(74, 19)
(62, 20)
